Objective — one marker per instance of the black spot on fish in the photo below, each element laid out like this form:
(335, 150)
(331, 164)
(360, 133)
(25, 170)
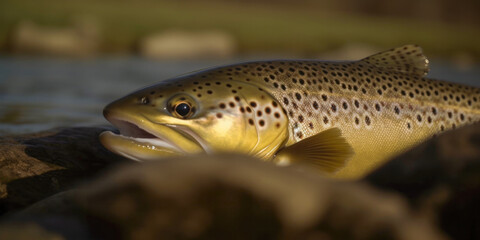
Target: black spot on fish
(367, 120)
(294, 105)
(299, 134)
(300, 118)
(397, 110)
(356, 103)
(334, 107)
(267, 110)
(298, 96)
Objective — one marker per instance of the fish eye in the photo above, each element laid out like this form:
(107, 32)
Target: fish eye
(182, 110)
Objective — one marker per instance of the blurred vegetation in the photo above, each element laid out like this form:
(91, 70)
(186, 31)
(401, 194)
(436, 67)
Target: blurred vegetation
(302, 27)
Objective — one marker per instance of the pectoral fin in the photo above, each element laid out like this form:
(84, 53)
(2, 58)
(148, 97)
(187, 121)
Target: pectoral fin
(327, 151)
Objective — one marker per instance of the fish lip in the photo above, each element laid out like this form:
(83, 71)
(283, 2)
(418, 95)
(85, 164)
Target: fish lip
(119, 122)
(140, 134)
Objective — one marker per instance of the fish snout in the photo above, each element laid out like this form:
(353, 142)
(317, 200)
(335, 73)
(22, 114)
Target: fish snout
(121, 105)
(106, 112)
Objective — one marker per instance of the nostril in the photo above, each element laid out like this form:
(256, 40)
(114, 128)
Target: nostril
(144, 100)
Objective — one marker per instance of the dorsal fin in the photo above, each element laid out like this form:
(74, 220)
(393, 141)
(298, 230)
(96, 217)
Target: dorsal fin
(327, 151)
(406, 59)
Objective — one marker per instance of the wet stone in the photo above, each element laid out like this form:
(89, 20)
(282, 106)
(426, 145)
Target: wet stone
(35, 166)
(200, 197)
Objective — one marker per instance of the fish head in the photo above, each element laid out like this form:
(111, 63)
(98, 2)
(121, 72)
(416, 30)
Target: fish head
(190, 115)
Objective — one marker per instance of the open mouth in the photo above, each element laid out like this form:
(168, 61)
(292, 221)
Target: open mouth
(131, 130)
(142, 139)
(135, 132)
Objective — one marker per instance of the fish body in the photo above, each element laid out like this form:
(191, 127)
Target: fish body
(343, 117)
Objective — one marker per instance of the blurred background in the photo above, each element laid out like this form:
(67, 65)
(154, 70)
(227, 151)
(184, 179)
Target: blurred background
(62, 61)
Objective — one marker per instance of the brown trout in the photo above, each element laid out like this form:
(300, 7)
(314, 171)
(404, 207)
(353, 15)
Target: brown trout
(345, 118)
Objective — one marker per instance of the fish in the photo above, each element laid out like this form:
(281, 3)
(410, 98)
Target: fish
(344, 118)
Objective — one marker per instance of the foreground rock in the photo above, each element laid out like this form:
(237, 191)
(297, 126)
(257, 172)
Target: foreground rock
(188, 45)
(440, 178)
(231, 196)
(225, 197)
(35, 166)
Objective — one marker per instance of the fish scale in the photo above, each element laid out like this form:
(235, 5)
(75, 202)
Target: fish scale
(381, 105)
(395, 109)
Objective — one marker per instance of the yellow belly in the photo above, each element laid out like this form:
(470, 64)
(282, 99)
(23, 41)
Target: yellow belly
(373, 146)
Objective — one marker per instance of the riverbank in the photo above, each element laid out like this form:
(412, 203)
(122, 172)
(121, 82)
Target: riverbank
(301, 31)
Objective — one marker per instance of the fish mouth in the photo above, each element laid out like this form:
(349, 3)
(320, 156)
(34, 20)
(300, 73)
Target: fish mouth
(143, 140)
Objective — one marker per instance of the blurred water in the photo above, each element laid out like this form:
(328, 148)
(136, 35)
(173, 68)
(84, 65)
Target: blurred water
(38, 94)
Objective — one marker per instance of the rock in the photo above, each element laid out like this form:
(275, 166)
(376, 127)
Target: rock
(35, 166)
(80, 40)
(188, 45)
(227, 197)
(440, 177)
(26, 231)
